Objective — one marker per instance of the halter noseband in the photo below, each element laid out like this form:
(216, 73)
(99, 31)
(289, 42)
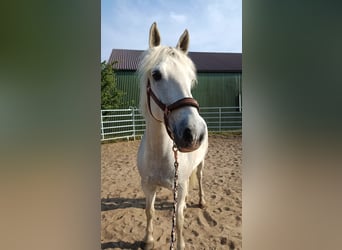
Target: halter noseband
(167, 109)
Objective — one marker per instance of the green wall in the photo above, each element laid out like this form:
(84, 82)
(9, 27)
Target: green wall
(218, 89)
(212, 90)
(128, 82)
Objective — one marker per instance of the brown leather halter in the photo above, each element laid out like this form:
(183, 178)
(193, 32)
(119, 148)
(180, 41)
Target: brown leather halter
(167, 109)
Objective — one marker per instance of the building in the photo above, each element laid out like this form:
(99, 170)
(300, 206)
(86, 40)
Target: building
(218, 75)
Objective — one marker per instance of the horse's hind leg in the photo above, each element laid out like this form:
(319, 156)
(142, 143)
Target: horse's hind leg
(150, 193)
(200, 189)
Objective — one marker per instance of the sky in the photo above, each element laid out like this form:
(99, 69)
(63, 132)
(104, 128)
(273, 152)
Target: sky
(214, 26)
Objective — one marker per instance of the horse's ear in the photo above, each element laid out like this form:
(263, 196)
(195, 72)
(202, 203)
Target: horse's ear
(183, 43)
(154, 39)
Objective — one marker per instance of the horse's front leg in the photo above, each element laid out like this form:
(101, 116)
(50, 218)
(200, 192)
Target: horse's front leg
(150, 194)
(182, 192)
(199, 174)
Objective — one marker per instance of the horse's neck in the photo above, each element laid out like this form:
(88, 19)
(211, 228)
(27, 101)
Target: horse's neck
(156, 136)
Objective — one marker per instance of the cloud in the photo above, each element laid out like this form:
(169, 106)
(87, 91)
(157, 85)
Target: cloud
(178, 17)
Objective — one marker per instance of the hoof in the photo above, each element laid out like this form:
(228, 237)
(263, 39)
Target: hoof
(203, 205)
(147, 245)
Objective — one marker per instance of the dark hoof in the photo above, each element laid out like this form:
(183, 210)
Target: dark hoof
(202, 205)
(147, 246)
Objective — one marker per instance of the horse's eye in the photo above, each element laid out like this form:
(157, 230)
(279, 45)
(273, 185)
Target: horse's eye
(156, 75)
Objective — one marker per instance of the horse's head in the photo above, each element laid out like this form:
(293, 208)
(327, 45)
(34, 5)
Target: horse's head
(168, 75)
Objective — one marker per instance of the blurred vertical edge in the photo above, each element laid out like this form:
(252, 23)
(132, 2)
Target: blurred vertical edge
(292, 143)
(49, 128)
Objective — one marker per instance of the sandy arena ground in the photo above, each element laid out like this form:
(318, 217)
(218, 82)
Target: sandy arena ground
(123, 218)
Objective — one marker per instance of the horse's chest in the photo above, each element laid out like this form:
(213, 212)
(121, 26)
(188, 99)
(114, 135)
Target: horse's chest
(161, 174)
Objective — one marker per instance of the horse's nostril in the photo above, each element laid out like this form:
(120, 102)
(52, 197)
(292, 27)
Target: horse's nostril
(201, 137)
(187, 135)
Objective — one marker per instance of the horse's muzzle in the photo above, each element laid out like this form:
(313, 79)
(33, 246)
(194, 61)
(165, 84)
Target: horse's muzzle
(188, 140)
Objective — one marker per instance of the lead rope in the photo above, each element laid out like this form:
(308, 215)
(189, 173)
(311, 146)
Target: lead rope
(175, 196)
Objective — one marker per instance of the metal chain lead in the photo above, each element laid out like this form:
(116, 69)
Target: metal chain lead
(175, 197)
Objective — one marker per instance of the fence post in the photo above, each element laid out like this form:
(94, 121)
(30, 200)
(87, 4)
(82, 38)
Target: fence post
(133, 122)
(102, 130)
(220, 119)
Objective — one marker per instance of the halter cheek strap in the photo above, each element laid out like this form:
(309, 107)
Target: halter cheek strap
(167, 109)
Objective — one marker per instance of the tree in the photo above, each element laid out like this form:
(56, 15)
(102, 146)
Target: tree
(111, 96)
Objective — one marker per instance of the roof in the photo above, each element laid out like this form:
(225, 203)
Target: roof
(204, 61)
